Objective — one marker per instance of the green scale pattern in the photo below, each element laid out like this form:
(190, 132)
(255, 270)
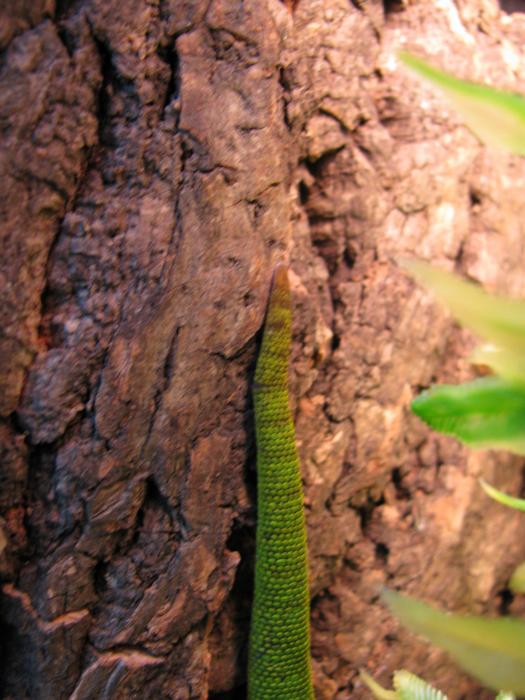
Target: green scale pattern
(279, 655)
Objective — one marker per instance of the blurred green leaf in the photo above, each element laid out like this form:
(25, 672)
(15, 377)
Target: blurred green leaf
(487, 412)
(407, 687)
(492, 650)
(517, 580)
(377, 690)
(495, 116)
(498, 320)
(503, 498)
(411, 687)
(510, 365)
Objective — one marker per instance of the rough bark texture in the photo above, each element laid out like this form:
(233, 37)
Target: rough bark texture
(157, 158)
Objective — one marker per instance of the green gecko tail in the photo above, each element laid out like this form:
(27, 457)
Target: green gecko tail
(279, 654)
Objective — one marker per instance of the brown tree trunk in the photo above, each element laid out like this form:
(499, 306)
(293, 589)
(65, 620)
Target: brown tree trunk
(158, 158)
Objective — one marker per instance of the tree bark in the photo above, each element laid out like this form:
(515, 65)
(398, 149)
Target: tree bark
(158, 158)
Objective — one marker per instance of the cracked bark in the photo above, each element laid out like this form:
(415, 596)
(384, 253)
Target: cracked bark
(158, 158)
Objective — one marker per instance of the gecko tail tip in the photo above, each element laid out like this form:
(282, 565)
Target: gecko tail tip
(280, 275)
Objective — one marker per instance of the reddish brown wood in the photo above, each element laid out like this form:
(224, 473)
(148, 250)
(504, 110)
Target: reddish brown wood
(157, 160)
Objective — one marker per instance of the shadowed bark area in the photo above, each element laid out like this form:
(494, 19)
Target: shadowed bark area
(158, 158)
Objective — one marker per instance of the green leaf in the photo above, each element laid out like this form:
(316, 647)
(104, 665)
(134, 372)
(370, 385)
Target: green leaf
(407, 687)
(498, 320)
(503, 695)
(503, 498)
(487, 412)
(508, 364)
(495, 116)
(517, 580)
(492, 650)
(377, 690)
(410, 687)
